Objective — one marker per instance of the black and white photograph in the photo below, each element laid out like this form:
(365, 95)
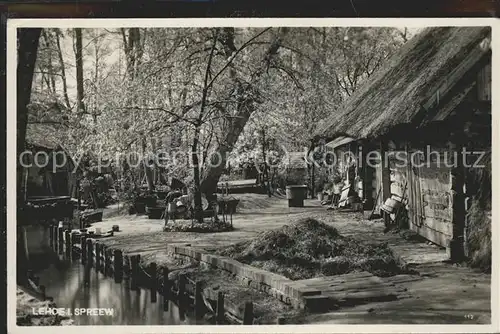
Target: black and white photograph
(240, 172)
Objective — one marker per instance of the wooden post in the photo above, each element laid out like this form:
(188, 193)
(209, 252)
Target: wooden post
(97, 256)
(55, 236)
(105, 253)
(198, 299)
(126, 267)
(134, 263)
(166, 289)
(182, 295)
(83, 244)
(220, 308)
(51, 235)
(455, 247)
(86, 273)
(467, 206)
(90, 253)
(182, 288)
(248, 314)
(152, 283)
(60, 236)
(73, 241)
(67, 240)
(118, 265)
(385, 178)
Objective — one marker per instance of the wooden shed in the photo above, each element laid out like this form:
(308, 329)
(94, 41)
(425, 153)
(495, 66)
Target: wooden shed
(429, 102)
(49, 169)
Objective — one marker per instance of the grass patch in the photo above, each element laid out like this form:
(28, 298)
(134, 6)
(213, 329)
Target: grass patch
(309, 248)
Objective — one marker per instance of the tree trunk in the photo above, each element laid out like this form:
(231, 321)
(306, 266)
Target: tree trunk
(265, 173)
(198, 210)
(63, 70)
(51, 81)
(147, 170)
(79, 70)
(244, 109)
(27, 52)
(213, 171)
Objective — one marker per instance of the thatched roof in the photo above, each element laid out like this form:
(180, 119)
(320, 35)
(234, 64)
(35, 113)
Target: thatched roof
(42, 136)
(395, 94)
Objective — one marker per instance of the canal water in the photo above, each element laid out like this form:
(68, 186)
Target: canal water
(64, 281)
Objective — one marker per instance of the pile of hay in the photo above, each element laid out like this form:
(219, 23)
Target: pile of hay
(309, 248)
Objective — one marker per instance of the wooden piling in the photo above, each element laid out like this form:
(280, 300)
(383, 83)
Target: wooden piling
(90, 253)
(118, 265)
(182, 296)
(126, 267)
(134, 270)
(86, 273)
(54, 236)
(67, 240)
(60, 236)
(248, 314)
(97, 256)
(152, 283)
(198, 299)
(166, 289)
(220, 308)
(73, 242)
(83, 245)
(182, 289)
(51, 235)
(105, 253)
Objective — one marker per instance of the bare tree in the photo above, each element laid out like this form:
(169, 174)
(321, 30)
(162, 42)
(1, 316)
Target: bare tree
(79, 70)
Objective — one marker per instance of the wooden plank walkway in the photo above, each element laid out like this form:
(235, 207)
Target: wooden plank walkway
(332, 292)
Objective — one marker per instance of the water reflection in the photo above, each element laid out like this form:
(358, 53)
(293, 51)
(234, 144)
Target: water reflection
(65, 283)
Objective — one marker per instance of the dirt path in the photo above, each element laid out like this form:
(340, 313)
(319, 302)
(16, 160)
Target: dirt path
(444, 294)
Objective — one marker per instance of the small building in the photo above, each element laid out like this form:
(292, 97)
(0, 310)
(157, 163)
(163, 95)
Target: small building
(49, 170)
(410, 119)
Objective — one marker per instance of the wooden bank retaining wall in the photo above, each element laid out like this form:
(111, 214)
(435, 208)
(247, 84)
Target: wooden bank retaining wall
(127, 269)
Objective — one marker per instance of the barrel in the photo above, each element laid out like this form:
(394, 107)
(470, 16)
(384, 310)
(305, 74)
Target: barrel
(296, 195)
(391, 204)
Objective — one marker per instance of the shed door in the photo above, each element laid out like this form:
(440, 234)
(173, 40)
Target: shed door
(415, 206)
(435, 197)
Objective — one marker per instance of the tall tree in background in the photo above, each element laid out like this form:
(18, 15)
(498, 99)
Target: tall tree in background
(79, 70)
(133, 45)
(57, 33)
(28, 40)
